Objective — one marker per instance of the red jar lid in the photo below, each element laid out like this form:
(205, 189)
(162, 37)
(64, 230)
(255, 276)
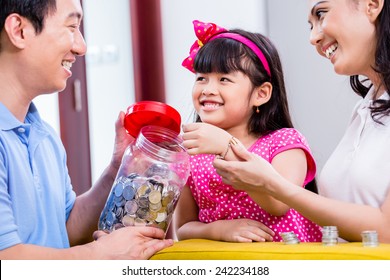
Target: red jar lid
(145, 113)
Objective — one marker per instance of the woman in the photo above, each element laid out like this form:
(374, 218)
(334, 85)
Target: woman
(355, 182)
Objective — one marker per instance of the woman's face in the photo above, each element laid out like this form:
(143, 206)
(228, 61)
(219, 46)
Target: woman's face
(344, 32)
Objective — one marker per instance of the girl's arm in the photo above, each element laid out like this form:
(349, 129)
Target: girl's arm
(351, 219)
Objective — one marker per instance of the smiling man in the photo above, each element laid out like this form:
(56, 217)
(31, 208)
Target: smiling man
(40, 215)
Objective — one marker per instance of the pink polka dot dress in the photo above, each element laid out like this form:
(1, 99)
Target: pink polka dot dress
(217, 201)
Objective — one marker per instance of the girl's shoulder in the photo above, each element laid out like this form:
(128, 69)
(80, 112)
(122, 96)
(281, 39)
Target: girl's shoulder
(285, 136)
(280, 140)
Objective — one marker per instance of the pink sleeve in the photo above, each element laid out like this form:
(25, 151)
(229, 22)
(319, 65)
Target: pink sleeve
(289, 138)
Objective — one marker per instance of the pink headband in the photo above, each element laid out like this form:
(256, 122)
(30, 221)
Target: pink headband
(210, 31)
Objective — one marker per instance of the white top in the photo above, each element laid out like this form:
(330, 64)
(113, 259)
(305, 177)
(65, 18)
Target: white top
(358, 171)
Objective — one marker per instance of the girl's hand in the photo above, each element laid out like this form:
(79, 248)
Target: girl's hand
(203, 138)
(243, 230)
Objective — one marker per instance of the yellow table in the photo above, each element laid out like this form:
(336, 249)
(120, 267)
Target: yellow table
(199, 249)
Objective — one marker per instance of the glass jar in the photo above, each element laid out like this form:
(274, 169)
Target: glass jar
(154, 169)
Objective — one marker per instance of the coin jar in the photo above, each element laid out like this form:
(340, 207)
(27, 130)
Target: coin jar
(330, 235)
(289, 238)
(370, 238)
(153, 171)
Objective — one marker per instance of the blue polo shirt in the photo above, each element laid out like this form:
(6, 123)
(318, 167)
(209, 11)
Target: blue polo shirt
(36, 195)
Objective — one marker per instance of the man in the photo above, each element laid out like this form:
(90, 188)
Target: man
(40, 215)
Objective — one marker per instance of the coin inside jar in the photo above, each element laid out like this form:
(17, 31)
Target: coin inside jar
(128, 221)
(143, 190)
(118, 189)
(128, 192)
(167, 198)
(143, 202)
(161, 216)
(155, 207)
(131, 207)
(155, 197)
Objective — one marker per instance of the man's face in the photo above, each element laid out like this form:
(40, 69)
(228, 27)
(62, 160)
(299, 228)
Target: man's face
(52, 52)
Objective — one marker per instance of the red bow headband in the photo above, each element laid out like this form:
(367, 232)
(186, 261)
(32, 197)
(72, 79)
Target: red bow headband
(210, 31)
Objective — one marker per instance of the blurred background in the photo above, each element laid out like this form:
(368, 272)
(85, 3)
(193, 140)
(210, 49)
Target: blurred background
(135, 50)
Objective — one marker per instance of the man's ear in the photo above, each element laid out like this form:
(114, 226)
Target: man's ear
(374, 8)
(262, 94)
(14, 27)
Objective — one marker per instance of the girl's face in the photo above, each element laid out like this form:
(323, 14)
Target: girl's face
(344, 32)
(223, 100)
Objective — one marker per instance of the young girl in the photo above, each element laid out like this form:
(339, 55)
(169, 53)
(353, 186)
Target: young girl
(239, 93)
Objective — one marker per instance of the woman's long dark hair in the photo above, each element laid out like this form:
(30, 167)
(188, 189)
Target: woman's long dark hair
(225, 55)
(380, 107)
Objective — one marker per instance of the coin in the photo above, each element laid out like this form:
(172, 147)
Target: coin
(151, 216)
(118, 189)
(143, 202)
(155, 207)
(144, 189)
(128, 192)
(128, 220)
(131, 207)
(167, 198)
(161, 216)
(154, 197)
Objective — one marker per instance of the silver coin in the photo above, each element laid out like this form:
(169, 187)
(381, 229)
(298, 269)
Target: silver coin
(131, 207)
(128, 192)
(128, 221)
(118, 189)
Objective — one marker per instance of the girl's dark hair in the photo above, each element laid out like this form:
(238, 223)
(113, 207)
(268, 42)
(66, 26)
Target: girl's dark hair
(224, 55)
(34, 10)
(380, 107)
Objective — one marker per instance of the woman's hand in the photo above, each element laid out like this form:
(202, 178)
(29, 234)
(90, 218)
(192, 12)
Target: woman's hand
(249, 171)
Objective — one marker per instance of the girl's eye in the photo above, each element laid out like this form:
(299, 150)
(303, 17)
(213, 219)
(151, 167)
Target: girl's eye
(200, 78)
(224, 79)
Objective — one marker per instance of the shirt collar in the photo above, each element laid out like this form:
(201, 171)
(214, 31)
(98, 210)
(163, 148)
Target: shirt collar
(8, 121)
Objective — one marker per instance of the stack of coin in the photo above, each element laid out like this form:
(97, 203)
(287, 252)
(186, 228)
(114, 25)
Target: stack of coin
(370, 238)
(139, 201)
(330, 235)
(289, 238)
